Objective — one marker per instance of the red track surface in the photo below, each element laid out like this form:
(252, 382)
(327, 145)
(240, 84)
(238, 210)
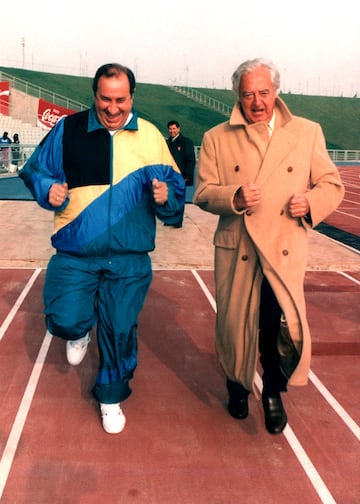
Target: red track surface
(347, 216)
(179, 445)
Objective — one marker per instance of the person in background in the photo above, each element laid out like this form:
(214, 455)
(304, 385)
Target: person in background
(107, 174)
(15, 151)
(5, 141)
(268, 176)
(183, 152)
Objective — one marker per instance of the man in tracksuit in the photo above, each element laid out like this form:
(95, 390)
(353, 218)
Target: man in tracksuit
(107, 174)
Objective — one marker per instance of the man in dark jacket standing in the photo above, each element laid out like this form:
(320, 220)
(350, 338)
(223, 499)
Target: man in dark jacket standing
(182, 150)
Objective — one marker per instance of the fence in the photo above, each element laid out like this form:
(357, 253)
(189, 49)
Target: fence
(13, 156)
(338, 156)
(345, 156)
(203, 99)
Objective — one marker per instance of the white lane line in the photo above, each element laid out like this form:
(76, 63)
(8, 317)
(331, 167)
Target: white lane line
(300, 453)
(346, 275)
(308, 467)
(349, 422)
(204, 288)
(18, 425)
(345, 417)
(18, 303)
(347, 214)
(303, 458)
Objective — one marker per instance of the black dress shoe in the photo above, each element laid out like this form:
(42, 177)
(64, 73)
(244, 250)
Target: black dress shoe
(275, 415)
(238, 408)
(238, 399)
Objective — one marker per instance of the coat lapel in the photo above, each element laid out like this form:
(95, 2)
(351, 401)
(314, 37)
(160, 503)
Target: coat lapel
(281, 143)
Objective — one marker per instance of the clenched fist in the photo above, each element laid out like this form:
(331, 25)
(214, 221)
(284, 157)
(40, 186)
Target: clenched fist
(247, 196)
(58, 194)
(298, 205)
(160, 192)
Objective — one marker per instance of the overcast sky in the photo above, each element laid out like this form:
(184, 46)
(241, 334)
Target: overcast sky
(314, 43)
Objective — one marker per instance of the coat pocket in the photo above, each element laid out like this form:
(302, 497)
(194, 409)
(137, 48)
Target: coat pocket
(225, 238)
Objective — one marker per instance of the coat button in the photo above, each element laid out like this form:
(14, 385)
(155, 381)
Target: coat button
(237, 168)
(244, 257)
(290, 169)
(285, 252)
(248, 212)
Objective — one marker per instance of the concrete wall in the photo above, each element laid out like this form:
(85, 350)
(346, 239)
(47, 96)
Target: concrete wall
(23, 107)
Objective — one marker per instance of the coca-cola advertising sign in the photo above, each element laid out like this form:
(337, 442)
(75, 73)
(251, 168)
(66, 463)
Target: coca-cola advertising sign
(49, 114)
(4, 98)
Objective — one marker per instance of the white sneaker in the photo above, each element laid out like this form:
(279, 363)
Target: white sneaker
(76, 350)
(113, 419)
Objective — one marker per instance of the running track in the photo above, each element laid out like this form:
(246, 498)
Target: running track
(179, 446)
(344, 224)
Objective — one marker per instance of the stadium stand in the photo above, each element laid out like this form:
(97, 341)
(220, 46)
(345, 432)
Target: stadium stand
(28, 134)
(29, 137)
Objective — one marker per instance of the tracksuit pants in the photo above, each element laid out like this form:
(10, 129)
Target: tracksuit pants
(80, 293)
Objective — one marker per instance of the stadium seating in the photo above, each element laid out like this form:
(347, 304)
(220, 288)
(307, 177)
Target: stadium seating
(28, 134)
(29, 137)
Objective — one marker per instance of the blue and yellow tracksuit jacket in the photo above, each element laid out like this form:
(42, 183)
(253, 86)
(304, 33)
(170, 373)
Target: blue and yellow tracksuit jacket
(110, 209)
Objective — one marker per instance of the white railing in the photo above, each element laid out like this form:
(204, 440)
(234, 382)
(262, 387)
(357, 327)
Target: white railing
(39, 92)
(203, 99)
(346, 156)
(338, 156)
(13, 157)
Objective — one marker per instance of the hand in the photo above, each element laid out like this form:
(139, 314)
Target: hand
(160, 192)
(298, 205)
(58, 194)
(248, 195)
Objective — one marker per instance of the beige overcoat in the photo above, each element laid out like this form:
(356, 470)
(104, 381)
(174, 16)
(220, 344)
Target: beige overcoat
(263, 240)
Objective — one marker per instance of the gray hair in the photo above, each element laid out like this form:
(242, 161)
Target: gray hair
(250, 65)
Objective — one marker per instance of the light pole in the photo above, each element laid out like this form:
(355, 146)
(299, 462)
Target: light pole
(23, 51)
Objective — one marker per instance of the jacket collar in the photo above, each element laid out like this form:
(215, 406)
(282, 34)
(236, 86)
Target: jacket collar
(283, 115)
(94, 124)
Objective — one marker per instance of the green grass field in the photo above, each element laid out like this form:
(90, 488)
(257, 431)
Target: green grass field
(338, 116)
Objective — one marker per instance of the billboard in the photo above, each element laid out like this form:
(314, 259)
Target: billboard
(4, 98)
(50, 113)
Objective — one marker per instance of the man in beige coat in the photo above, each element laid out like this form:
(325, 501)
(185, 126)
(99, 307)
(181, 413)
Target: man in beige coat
(268, 176)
